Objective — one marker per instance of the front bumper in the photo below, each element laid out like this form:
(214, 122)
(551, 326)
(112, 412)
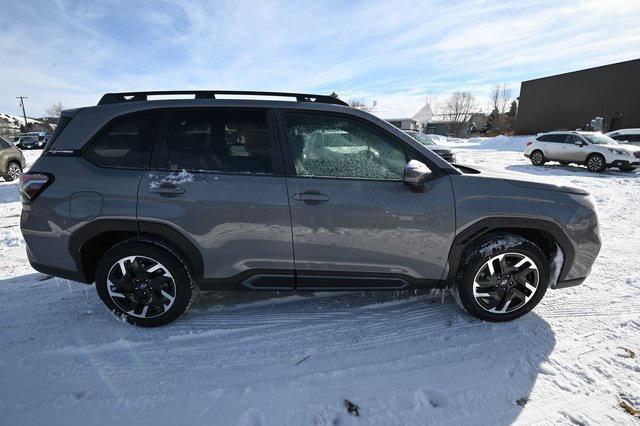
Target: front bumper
(584, 233)
(447, 156)
(624, 163)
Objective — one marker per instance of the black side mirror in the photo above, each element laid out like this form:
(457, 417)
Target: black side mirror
(416, 174)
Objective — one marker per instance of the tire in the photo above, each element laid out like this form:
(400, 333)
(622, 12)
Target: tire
(156, 289)
(475, 271)
(537, 158)
(13, 172)
(596, 163)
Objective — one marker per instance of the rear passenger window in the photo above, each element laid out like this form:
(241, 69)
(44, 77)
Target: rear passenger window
(218, 140)
(125, 143)
(4, 144)
(557, 138)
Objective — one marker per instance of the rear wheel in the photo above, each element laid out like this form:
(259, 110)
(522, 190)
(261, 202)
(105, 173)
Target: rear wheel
(596, 163)
(502, 278)
(13, 172)
(537, 158)
(144, 283)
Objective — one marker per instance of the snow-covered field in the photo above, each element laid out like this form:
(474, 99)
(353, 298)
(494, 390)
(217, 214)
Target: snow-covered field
(263, 358)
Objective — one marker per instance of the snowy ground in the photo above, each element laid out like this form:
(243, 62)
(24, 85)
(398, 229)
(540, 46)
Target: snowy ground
(262, 358)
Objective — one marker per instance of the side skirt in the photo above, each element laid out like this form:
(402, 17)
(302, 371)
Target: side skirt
(315, 281)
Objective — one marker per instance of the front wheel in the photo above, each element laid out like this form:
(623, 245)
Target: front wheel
(144, 283)
(13, 172)
(501, 278)
(596, 163)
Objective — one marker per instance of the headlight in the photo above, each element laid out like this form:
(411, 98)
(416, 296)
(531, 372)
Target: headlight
(618, 151)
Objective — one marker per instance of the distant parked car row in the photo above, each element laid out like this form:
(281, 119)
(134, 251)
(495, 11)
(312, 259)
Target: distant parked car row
(595, 150)
(31, 140)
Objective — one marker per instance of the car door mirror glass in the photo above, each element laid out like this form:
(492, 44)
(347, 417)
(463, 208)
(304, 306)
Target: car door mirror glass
(416, 173)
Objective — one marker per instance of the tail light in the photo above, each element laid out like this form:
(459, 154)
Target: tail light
(32, 185)
(529, 143)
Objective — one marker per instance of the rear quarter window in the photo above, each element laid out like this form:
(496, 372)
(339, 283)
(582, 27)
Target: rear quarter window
(125, 142)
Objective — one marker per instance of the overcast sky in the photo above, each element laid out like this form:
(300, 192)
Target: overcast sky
(394, 52)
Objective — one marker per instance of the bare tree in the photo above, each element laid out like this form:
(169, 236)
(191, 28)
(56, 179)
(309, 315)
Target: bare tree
(355, 103)
(457, 110)
(54, 110)
(501, 99)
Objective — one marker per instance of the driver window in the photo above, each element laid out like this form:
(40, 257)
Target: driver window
(571, 139)
(333, 146)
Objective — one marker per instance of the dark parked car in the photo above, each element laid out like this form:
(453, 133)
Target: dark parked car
(149, 199)
(11, 161)
(425, 140)
(29, 142)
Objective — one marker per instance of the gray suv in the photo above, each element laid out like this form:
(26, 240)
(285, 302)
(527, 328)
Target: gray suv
(152, 199)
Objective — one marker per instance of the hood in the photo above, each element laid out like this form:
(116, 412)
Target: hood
(522, 183)
(440, 148)
(547, 186)
(626, 147)
(629, 147)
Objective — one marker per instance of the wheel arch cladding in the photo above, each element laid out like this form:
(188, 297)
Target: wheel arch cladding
(89, 243)
(545, 234)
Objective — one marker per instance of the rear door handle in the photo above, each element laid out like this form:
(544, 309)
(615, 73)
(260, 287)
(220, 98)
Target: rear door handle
(167, 189)
(311, 196)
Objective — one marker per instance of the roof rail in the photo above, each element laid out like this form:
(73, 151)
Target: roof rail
(115, 98)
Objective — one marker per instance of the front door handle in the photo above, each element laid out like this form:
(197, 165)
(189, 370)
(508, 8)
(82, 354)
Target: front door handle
(311, 196)
(167, 189)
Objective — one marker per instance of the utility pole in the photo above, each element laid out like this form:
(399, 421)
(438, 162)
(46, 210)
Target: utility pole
(24, 114)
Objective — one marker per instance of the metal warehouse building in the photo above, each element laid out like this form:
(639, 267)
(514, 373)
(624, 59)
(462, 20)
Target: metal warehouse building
(570, 101)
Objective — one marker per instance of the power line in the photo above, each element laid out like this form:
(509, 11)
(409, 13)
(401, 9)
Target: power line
(24, 114)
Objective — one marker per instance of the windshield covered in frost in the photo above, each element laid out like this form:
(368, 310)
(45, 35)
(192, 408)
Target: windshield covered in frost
(421, 137)
(598, 139)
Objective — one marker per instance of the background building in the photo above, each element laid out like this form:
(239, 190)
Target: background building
(570, 101)
(415, 122)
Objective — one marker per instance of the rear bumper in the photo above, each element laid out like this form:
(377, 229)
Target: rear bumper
(57, 272)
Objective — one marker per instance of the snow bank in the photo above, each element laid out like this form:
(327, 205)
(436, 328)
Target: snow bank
(497, 143)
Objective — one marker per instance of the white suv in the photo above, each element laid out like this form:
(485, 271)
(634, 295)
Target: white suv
(627, 136)
(595, 150)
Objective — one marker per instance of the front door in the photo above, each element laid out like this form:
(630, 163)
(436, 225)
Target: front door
(216, 179)
(355, 224)
(571, 151)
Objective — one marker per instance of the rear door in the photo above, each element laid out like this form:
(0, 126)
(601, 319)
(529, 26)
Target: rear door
(355, 223)
(554, 146)
(216, 178)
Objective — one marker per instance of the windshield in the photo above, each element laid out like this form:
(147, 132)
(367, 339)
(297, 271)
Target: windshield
(598, 139)
(421, 137)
